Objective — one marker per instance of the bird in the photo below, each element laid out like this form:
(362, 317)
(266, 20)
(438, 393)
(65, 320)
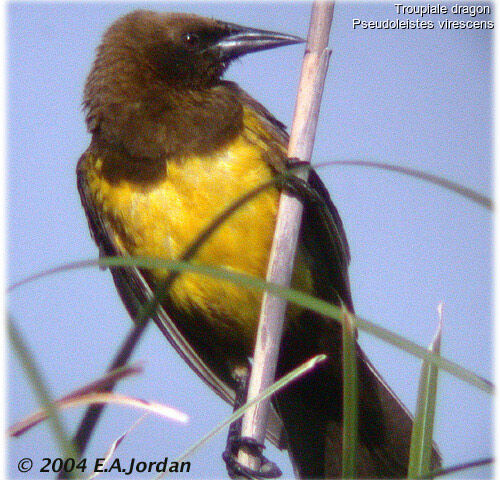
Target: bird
(174, 144)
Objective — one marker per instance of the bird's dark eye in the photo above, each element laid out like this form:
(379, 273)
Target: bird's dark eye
(192, 40)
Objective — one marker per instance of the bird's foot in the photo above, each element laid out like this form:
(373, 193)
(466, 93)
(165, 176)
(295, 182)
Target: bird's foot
(298, 186)
(235, 469)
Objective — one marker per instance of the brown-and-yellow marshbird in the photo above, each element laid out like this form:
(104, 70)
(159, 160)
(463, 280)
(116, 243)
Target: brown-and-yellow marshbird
(173, 144)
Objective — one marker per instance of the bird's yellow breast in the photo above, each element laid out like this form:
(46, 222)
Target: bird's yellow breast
(164, 219)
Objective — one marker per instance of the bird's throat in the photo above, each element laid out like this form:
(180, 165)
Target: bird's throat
(162, 123)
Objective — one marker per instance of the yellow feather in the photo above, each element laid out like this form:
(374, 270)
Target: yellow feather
(165, 219)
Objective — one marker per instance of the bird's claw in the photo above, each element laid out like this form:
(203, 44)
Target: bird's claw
(235, 469)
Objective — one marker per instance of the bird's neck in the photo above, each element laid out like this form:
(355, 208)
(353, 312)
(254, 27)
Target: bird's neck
(166, 123)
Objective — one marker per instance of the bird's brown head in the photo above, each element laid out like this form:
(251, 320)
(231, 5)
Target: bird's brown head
(150, 61)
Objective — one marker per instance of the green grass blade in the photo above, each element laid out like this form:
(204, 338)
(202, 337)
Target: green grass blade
(299, 298)
(462, 190)
(282, 382)
(350, 397)
(423, 425)
(39, 386)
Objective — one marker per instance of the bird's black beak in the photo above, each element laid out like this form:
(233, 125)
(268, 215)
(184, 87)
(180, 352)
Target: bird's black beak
(242, 40)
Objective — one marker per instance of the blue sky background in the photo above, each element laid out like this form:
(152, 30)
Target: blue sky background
(415, 98)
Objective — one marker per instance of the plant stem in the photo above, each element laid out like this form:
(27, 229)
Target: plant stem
(314, 68)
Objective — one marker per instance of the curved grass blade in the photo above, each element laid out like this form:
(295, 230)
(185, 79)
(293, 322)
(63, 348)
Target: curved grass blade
(66, 267)
(315, 304)
(299, 298)
(99, 398)
(462, 190)
(110, 377)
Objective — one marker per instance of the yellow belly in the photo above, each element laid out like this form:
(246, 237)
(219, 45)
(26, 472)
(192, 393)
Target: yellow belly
(163, 220)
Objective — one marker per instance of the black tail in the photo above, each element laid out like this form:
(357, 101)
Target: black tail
(311, 410)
